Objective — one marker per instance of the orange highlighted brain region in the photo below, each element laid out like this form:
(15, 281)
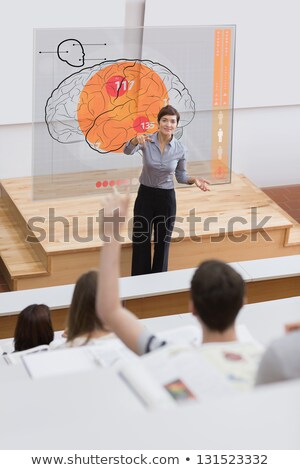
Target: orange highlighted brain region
(118, 102)
(109, 103)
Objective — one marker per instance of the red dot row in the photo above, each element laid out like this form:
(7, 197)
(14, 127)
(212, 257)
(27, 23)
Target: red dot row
(111, 183)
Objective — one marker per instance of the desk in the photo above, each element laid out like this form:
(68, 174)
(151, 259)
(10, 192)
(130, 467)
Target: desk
(160, 294)
(264, 320)
(12, 373)
(95, 410)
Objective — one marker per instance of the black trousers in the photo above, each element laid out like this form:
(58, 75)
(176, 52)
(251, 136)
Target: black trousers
(154, 212)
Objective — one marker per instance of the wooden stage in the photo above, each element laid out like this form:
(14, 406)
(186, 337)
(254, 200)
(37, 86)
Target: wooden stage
(232, 222)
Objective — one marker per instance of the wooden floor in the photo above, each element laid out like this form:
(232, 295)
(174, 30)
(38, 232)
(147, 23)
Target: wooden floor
(235, 222)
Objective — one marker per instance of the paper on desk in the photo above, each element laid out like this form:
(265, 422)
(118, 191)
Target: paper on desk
(180, 363)
(106, 354)
(192, 335)
(73, 360)
(173, 375)
(16, 358)
(59, 362)
(187, 334)
(145, 386)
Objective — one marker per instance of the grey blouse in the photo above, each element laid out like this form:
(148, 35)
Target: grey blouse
(158, 169)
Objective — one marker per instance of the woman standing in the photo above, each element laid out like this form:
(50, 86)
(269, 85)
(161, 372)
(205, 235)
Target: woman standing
(155, 205)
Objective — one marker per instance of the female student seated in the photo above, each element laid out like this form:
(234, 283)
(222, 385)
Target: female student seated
(83, 325)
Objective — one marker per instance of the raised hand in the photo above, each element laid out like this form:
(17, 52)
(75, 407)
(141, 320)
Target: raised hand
(115, 209)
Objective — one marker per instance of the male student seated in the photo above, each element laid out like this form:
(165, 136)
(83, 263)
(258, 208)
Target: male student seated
(217, 295)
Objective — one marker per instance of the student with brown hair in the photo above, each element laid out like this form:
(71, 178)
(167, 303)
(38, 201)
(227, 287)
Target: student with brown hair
(83, 325)
(34, 327)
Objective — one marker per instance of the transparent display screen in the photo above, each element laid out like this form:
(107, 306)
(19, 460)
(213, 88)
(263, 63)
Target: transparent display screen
(95, 89)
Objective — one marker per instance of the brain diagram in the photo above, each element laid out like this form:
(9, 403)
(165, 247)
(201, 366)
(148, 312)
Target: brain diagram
(109, 103)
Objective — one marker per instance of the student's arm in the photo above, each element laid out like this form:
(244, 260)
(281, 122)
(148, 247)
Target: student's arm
(292, 327)
(109, 308)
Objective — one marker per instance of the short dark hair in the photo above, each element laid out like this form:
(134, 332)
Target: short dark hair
(33, 328)
(217, 292)
(168, 111)
(82, 317)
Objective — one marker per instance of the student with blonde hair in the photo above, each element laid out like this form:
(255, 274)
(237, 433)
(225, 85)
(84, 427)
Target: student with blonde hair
(83, 324)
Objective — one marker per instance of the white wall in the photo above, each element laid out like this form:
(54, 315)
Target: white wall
(15, 150)
(266, 145)
(17, 40)
(266, 72)
(266, 141)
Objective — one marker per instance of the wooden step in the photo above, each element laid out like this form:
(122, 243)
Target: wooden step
(16, 215)
(18, 259)
(293, 233)
(294, 236)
